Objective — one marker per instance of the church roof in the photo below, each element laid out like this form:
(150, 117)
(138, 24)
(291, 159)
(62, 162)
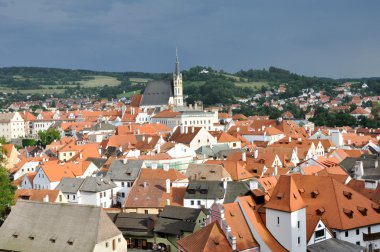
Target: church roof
(157, 93)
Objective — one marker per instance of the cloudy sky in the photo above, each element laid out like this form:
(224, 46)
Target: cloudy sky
(339, 38)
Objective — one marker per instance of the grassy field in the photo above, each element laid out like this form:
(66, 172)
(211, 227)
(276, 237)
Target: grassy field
(194, 83)
(99, 81)
(251, 84)
(32, 91)
(128, 94)
(139, 80)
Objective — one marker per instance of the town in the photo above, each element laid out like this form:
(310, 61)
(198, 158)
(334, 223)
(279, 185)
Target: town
(153, 173)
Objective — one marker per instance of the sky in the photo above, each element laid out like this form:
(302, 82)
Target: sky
(326, 38)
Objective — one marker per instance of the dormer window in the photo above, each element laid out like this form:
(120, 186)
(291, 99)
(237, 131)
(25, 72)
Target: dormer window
(362, 210)
(320, 211)
(348, 212)
(376, 207)
(314, 194)
(70, 241)
(348, 195)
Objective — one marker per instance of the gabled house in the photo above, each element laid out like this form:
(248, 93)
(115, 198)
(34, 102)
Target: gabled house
(194, 137)
(94, 191)
(208, 239)
(36, 226)
(123, 173)
(176, 222)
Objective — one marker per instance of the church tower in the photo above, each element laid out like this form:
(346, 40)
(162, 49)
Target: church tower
(177, 84)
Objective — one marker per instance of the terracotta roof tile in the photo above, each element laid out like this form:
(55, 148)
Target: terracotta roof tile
(208, 239)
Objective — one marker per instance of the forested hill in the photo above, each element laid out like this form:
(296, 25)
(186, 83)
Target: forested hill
(200, 83)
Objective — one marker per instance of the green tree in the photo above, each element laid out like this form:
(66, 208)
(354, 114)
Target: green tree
(49, 136)
(6, 189)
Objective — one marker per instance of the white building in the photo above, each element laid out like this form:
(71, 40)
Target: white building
(12, 126)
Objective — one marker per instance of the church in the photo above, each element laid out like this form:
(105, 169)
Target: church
(162, 94)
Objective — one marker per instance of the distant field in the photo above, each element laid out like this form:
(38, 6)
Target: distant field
(139, 80)
(252, 84)
(128, 94)
(99, 81)
(32, 91)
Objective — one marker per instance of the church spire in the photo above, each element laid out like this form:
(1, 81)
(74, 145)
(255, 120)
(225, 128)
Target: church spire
(177, 71)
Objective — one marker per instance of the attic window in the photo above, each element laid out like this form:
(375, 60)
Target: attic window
(301, 190)
(212, 171)
(348, 212)
(314, 194)
(53, 239)
(232, 214)
(216, 242)
(15, 235)
(128, 174)
(31, 237)
(280, 196)
(320, 211)
(362, 210)
(70, 241)
(376, 208)
(294, 196)
(348, 195)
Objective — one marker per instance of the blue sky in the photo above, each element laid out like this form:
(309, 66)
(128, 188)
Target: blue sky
(332, 38)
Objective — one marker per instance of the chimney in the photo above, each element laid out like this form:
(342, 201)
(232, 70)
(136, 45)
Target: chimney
(237, 129)
(192, 129)
(168, 202)
(154, 166)
(167, 186)
(275, 170)
(253, 184)
(166, 167)
(243, 156)
(225, 184)
(181, 129)
(233, 243)
(80, 155)
(145, 184)
(46, 198)
(125, 160)
(290, 139)
(100, 151)
(256, 154)
(158, 148)
(186, 129)
(120, 148)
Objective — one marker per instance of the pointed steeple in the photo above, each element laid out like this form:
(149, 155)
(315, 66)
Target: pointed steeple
(177, 71)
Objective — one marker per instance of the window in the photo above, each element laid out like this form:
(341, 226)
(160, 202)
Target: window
(278, 220)
(298, 224)
(113, 244)
(346, 234)
(299, 240)
(358, 243)
(106, 244)
(122, 184)
(199, 202)
(100, 194)
(319, 234)
(192, 202)
(123, 195)
(73, 197)
(369, 229)
(146, 211)
(67, 196)
(119, 239)
(357, 232)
